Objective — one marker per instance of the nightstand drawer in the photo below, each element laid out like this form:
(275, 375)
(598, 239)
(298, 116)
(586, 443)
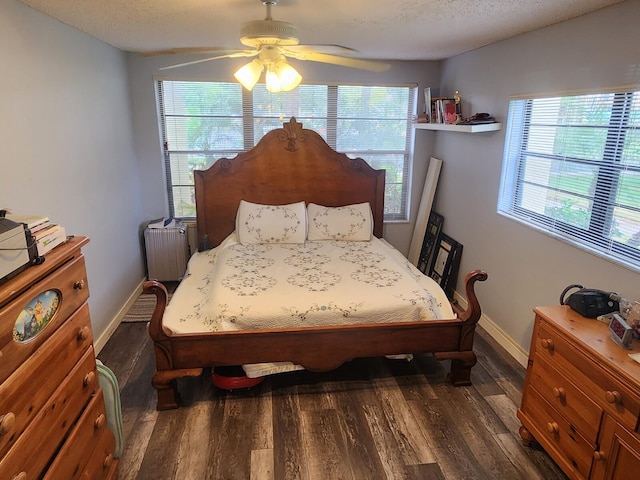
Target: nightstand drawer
(555, 432)
(25, 392)
(600, 386)
(60, 294)
(571, 402)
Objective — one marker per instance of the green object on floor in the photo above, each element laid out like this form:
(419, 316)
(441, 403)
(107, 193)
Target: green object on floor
(111, 392)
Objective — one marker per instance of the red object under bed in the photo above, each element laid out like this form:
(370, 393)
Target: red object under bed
(232, 378)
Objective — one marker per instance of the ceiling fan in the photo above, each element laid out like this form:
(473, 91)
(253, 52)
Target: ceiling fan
(272, 41)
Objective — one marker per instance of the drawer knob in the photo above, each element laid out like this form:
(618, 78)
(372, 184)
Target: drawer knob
(613, 396)
(559, 393)
(83, 333)
(100, 422)
(20, 476)
(78, 284)
(89, 379)
(108, 460)
(547, 344)
(6, 422)
(553, 427)
(599, 456)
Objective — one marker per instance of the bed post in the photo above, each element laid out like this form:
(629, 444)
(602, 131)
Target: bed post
(165, 376)
(465, 358)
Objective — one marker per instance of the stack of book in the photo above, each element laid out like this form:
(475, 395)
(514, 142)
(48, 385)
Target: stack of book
(443, 110)
(45, 233)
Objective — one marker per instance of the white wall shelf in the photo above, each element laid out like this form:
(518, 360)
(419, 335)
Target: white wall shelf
(487, 127)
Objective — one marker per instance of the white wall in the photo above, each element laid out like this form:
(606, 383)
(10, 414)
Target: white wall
(527, 268)
(67, 146)
(143, 70)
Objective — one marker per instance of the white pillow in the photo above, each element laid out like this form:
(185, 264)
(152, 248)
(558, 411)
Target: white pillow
(351, 222)
(256, 223)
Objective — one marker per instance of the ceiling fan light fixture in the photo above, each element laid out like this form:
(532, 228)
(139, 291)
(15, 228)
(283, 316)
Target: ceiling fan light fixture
(249, 74)
(272, 81)
(281, 77)
(288, 76)
(272, 41)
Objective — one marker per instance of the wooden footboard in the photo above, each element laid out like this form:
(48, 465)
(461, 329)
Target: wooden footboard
(315, 348)
(464, 358)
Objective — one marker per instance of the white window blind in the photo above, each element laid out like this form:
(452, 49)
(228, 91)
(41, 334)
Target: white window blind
(204, 121)
(571, 168)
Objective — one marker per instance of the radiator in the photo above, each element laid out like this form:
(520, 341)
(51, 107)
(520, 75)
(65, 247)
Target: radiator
(167, 252)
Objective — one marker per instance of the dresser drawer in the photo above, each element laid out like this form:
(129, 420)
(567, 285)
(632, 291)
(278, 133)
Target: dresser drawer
(60, 294)
(571, 402)
(600, 386)
(25, 392)
(33, 450)
(101, 464)
(555, 432)
(78, 449)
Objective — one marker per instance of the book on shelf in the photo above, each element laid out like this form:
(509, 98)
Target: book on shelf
(443, 110)
(427, 104)
(54, 237)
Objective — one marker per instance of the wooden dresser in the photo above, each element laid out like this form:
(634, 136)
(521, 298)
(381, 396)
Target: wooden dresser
(581, 400)
(52, 412)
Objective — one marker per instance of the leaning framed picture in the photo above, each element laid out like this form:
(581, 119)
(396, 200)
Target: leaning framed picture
(434, 227)
(446, 263)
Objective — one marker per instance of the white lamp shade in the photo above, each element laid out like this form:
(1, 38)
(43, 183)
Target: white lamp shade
(249, 75)
(279, 77)
(289, 76)
(272, 80)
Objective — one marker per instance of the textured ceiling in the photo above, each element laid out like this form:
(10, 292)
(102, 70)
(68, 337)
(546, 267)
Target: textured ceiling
(378, 29)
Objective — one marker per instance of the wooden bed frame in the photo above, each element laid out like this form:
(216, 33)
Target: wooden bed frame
(288, 165)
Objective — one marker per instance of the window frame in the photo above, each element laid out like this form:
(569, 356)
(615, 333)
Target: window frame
(597, 237)
(332, 119)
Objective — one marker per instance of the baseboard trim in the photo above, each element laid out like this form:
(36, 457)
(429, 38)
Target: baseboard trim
(102, 340)
(516, 351)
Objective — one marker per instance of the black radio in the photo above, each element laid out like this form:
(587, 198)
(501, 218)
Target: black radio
(589, 302)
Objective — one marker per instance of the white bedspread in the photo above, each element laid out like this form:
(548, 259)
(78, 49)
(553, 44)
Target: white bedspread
(234, 286)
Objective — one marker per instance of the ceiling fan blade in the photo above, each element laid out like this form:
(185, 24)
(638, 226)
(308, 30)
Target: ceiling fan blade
(189, 51)
(242, 53)
(371, 65)
(328, 49)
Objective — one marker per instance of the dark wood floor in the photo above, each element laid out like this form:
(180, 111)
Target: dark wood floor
(370, 419)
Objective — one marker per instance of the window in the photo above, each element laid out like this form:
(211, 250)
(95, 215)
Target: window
(204, 121)
(571, 168)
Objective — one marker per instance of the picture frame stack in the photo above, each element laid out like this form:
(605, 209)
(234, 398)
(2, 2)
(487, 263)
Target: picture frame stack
(440, 255)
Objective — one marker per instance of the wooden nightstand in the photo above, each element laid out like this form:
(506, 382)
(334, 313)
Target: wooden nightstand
(581, 399)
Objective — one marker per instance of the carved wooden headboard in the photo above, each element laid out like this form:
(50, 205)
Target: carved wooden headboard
(288, 165)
